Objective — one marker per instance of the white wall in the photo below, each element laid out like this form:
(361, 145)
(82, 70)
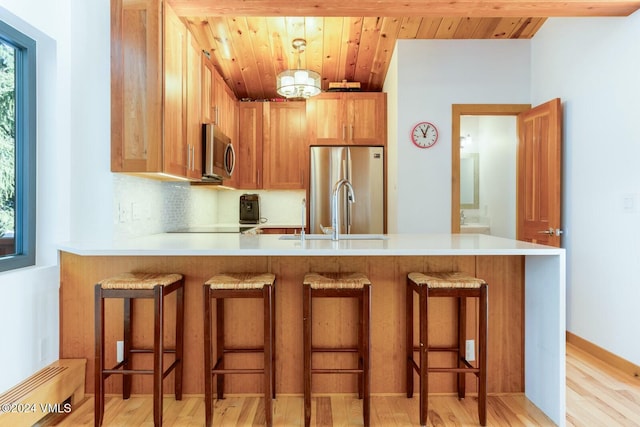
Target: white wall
(433, 75)
(593, 65)
(29, 297)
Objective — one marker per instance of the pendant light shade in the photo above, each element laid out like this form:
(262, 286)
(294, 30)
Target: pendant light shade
(298, 83)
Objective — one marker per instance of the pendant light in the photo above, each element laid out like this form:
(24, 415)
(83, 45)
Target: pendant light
(298, 83)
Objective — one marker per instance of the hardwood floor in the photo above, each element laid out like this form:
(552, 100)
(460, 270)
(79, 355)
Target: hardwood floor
(597, 395)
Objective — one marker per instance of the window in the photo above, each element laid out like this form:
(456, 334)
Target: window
(17, 148)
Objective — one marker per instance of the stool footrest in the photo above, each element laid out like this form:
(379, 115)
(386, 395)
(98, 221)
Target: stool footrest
(236, 371)
(458, 370)
(334, 350)
(150, 350)
(244, 350)
(337, 371)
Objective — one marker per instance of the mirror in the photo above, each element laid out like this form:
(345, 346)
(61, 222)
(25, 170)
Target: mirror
(469, 185)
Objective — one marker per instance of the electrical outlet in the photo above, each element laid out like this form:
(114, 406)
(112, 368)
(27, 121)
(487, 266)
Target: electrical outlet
(123, 212)
(119, 351)
(470, 350)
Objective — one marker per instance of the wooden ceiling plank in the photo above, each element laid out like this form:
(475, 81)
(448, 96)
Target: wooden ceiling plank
(428, 28)
(351, 31)
(331, 50)
(467, 28)
(314, 34)
(245, 57)
(259, 35)
(532, 28)
(486, 28)
(384, 51)
(409, 27)
(431, 8)
(371, 28)
(506, 27)
(447, 28)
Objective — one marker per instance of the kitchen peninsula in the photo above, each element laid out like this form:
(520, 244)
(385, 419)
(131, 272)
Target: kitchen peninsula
(526, 305)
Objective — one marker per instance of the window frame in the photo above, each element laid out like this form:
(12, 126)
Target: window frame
(25, 149)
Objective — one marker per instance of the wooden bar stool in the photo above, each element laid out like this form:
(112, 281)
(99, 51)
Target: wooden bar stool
(455, 285)
(130, 286)
(338, 285)
(239, 285)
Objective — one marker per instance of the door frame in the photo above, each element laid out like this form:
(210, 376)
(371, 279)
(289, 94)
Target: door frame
(458, 110)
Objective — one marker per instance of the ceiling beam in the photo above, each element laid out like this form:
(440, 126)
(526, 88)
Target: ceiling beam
(401, 8)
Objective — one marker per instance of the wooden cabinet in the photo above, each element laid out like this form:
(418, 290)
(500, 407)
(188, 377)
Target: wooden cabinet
(284, 146)
(155, 92)
(337, 118)
(272, 148)
(194, 108)
(136, 86)
(249, 148)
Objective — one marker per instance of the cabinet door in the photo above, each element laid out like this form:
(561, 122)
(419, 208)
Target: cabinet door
(208, 71)
(366, 118)
(136, 86)
(326, 121)
(284, 145)
(249, 149)
(194, 109)
(175, 44)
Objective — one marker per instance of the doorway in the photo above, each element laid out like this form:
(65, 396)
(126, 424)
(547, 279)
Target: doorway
(483, 172)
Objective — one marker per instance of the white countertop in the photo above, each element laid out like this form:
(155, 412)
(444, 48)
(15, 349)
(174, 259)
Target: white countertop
(212, 244)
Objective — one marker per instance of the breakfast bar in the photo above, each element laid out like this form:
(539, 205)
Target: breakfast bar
(526, 344)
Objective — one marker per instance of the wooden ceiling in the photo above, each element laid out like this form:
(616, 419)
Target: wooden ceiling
(250, 40)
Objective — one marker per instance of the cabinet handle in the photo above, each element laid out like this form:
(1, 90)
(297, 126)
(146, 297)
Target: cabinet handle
(344, 132)
(351, 132)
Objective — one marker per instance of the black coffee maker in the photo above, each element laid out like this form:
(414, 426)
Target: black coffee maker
(249, 209)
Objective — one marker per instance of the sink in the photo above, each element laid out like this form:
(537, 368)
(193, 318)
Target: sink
(328, 237)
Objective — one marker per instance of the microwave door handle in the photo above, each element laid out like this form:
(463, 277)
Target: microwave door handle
(229, 159)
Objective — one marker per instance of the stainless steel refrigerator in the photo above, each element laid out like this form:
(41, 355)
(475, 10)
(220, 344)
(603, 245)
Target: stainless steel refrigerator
(364, 168)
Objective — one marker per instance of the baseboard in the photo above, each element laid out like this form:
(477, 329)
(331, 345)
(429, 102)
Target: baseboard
(54, 389)
(603, 355)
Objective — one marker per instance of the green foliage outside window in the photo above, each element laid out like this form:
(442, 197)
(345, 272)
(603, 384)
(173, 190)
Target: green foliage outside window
(7, 139)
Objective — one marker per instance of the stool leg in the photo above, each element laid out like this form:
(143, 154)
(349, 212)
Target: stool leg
(158, 350)
(220, 345)
(268, 349)
(462, 338)
(361, 344)
(482, 355)
(366, 349)
(128, 344)
(409, 338)
(99, 356)
(424, 354)
(208, 381)
(179, 341)
(273, 341)
(306, 332)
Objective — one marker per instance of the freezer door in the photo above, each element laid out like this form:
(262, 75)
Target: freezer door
(366, 173)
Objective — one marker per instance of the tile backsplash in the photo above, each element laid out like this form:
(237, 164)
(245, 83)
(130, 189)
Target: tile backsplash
(145, 206)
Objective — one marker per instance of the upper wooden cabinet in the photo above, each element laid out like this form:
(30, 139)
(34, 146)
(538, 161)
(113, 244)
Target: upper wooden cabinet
(337, 118)
(156, 111)
(284, 147)
(136, 86)
(248, 171)
(272, 146)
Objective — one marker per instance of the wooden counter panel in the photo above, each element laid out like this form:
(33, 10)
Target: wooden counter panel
(505, 275)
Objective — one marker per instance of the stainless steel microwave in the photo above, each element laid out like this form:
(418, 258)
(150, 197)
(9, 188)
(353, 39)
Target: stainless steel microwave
(218, 157)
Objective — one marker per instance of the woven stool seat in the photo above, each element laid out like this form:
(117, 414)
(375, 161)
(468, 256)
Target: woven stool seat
(139, 280)
(336, 280)
(241, 280)
(455, 280)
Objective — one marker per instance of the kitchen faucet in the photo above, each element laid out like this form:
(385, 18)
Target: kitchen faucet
(335, 223)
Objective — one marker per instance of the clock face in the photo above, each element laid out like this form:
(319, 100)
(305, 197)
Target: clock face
(424, 135)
